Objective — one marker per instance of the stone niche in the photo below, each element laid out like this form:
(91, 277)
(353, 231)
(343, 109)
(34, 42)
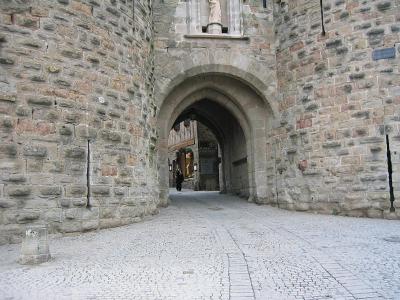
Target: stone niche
(198, 16)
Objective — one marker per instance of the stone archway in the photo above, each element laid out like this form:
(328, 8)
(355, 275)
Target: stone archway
(237, 96)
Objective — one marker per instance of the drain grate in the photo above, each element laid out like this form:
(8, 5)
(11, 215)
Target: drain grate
(392, 239)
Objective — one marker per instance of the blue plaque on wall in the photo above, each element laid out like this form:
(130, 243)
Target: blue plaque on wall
(385, 53)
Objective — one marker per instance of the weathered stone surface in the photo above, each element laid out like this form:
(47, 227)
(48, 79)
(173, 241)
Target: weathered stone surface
(35, 151)
(46, 93)
(79, 202)
(54, 69)
(51, 191)
(16, 178)
(100, 190)
(71, 53)
(7, 203)
(65, 202)
(66, 130)
(19, 190)
(317, 107)
(110, 136)
(8, 149)
(27, 216)
(45, 101)
(75, 152)
(8, 97)
(35, 247)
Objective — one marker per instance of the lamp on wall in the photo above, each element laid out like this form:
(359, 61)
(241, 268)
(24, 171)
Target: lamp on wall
(195, 167)
(170, 167)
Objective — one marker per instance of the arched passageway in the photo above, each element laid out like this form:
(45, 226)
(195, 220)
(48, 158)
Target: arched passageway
(234, 110)
(234, 177)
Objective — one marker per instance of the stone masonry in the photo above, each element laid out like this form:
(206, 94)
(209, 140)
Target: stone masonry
(336, 106)
(88, 87)
(76, 98)
(332, 103)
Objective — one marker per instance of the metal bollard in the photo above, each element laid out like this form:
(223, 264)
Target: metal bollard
(35, 247)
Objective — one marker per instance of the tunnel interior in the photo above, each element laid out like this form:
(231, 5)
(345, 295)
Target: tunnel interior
(237, 114)
(194, 152)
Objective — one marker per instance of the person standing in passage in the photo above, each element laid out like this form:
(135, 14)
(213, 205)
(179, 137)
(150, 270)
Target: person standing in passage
(179, 179)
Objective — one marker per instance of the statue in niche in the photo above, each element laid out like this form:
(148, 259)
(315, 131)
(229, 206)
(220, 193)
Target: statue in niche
(215, 12)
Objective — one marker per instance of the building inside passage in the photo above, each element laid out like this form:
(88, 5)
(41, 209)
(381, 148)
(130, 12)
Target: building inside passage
(193, 149)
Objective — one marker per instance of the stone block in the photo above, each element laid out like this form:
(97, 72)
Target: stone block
(301, 206)
(23, 20)
(53, 69)
(77, 190)
(109, 171)
(35, 151)
(89, 225)
(86, 132)
(51, 191)
(71, 53)
(129, 211)
(8, 149)
(75, 152)
(107, 212)
(110, 136)
(43, 101)
(124, 181)
(32, 43)
(7, 97)
(7, 61)
(35, 247)
(66, 130)
(63, 83)
(79, 202)
(39, 11)
(383, 6)
(35, 165)
(53, 215)
(100, 190)
(91, 213)
(352, 205)
(372, 140)
(110, 223)
(118, 191)
(19, 190)
(65, 202)
(70, 226)
(374, 213)
(355, 213)
(7, 203)
(72, 213)
(81, 7)
(27, 216)
(391, 215)
(130, 201)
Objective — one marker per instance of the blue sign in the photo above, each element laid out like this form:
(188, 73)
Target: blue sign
(385, 53)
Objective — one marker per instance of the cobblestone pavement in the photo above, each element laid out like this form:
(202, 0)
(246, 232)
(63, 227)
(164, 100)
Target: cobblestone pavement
(211, 246)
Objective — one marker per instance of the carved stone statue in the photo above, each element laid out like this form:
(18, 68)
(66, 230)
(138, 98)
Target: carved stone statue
(215, 12)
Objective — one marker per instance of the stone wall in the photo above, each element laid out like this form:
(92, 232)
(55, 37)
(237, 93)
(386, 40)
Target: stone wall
(328, 152)
(76, 94)
(208, 159)
(177, 52)
(243, 60)
(79, 105)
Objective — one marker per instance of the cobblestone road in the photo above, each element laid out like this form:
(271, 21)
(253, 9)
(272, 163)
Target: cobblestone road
(211, 246)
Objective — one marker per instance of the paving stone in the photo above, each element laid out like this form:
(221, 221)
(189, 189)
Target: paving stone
(242, 251)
